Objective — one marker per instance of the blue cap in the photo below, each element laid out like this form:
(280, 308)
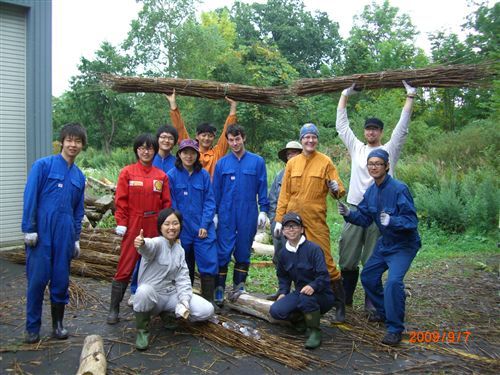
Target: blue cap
(379, 153)
(308, 128)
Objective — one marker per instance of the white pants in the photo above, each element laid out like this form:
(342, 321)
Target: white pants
(146, 299)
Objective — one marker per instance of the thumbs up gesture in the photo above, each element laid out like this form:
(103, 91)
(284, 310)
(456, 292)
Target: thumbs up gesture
(139, 240)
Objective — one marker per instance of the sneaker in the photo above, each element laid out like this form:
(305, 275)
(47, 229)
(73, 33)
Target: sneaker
(130, 301)
(392, 339)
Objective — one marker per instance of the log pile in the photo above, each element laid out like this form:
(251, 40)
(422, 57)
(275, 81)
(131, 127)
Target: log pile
(440, 76)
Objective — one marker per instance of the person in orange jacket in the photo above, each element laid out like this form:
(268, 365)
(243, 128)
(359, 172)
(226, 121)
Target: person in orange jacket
(142, 192)
(309, 178)
(205, 134)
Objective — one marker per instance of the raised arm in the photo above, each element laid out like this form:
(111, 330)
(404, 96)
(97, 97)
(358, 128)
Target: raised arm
(175, 116)
(220, 149)
(342, 124)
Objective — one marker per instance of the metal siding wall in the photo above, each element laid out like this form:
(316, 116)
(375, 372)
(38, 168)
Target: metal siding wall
(12, 119)
(25, 98)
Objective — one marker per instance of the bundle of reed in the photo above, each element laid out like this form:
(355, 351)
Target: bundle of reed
(94, 270)
(286, 352)
(199, 88)
(100, 240)
(80, 297)
(471, 75)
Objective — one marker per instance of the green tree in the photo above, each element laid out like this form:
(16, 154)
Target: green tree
(381, 39)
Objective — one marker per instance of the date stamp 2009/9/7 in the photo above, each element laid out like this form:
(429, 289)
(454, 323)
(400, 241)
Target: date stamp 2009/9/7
(450, 337)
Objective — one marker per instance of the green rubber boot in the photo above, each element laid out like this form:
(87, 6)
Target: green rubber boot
(142, 323)
(312, 322)
(169, 321)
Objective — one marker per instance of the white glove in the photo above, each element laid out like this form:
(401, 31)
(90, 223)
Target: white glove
(385, 218)
(410, 90)
(277, 230)
(120, 230)
(216, 220)
(76, 251)
(182, 309)
(343, 209)
(350, 90)
(31, 239)
(262, 220)
(333, 186)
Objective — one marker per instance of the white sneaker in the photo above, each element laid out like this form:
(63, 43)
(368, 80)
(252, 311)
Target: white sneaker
(130, 301)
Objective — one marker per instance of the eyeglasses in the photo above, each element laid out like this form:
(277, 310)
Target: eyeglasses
(166, 137)
(145, 149)
(375, 165)
(291, 226)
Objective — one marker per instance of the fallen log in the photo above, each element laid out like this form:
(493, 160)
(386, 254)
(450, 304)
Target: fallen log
(262, 248)
(93, 358)
(255, 306)
(95, 182)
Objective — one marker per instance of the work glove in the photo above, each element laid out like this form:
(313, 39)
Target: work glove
(216, 220)
(385, 218)
(351, 90)
(121, 230)
(76, 251)
(261, 221)
(410, 90)
(277, 230)
(31, 239)
(333, 186)
(343, 209)
(182, 309)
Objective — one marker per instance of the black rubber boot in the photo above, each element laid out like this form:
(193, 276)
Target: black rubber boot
(298, 321)
(369, 307)
(118, 289)
(207, 287)
(31, 337)
(220, 286)
(312, 323)
(338, 291)
(58, 331)
(190, 262)
(349, 281)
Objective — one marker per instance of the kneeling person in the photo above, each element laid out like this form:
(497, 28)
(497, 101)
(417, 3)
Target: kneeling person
(302, 262)
(164, 284)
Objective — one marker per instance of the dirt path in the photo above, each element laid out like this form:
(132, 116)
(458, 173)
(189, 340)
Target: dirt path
(448, 297)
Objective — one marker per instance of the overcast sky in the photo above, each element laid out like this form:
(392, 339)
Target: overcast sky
(80, 26)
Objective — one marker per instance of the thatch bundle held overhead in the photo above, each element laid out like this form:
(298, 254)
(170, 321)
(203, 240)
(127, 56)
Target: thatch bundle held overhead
(441, 76)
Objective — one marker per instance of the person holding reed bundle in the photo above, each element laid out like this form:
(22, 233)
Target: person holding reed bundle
(141, 192)
(164, 285)
(53, 210)
(192, 194)
(205, 134)
(292, 148)
(387, 203)
(303, 263)
(309, 178)
(356, 243)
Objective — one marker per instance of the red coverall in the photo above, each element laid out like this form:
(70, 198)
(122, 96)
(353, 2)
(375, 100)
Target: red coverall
(141, 193)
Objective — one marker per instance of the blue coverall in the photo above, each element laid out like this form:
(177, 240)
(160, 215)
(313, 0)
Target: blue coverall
(394, 250)
(53, 208)
(193, 196)
(237, 183)
(307, 266)
(165, 164)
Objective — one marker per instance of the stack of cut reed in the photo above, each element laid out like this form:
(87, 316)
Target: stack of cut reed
(199, 88)
(442, 76)
(100, 250)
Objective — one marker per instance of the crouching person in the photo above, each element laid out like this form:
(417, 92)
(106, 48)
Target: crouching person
(164, 284)
(302, 262)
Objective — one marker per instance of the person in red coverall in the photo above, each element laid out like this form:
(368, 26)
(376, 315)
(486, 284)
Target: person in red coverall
(142, 191)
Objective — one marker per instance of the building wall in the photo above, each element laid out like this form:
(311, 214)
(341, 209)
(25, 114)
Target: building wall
(25, 103)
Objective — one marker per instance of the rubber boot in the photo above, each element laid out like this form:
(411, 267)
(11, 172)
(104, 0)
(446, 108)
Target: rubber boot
(169, 321)
(58, 331)
(207, 287)
(338, 291)
(369, 307)
(142, 323)
(239, 278)
(118, 289)
(349, 281)
(298, 322)
(190, 262)
(31, 337)
(220, 286)
(312, 323)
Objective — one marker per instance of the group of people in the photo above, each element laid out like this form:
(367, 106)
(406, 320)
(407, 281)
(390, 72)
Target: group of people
(201, 207)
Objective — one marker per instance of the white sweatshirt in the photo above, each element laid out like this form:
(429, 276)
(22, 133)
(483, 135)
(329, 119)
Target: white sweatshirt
(360, 178)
